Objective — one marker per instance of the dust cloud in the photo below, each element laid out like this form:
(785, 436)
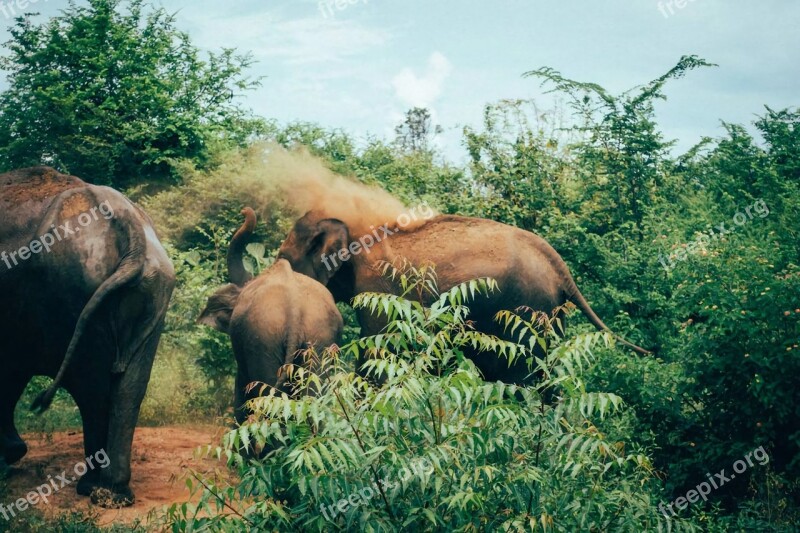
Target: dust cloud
(304, 183)
(266, 176)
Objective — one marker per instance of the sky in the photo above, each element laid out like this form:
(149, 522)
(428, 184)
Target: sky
(359, 65)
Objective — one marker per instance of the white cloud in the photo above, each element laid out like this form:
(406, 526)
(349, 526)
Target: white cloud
(423, 91)
(314, 68)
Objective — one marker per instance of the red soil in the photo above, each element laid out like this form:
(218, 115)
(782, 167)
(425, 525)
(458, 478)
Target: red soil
(159, 461)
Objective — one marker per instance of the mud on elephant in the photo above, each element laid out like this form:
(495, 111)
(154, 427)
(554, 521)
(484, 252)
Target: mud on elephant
(270, 319)
(84, 288)
(529, 272)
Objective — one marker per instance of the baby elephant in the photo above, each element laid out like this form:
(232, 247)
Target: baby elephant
(270, 318)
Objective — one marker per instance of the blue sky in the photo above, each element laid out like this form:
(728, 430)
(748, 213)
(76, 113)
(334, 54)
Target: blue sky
(359, 66)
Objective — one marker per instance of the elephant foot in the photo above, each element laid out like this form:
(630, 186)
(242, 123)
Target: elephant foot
(88, 484)
(113, 499)
(14, 450)
(103, 495)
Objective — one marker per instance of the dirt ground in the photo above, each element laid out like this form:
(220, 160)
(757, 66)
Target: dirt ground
(159, 461)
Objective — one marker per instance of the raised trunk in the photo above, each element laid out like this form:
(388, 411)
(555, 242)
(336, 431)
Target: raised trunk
(236, 271)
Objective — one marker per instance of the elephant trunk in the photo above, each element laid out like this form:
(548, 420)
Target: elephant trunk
(236, 272)
(574, 295)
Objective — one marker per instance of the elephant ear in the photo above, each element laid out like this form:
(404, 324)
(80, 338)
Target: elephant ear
(219, 309)
(331, 236)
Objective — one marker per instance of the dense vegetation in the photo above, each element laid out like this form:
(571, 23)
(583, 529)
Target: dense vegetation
(117, 96)
(694, 255)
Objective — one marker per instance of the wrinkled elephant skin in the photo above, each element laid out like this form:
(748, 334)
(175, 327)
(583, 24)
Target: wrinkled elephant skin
(85, 306)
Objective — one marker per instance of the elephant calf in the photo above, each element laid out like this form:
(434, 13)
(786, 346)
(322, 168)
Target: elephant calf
(269, 318)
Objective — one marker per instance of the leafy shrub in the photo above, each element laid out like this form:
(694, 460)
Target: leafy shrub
(33, 521)
(199, 362)
(434, 448)
(105, 76)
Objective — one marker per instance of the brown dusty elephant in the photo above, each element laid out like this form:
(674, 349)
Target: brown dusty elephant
(529, 272)
(269, 318)
(84, 288)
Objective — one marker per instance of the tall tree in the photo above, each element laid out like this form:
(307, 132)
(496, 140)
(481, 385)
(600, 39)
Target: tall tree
(415, 133)
(624, 147)
(116, 95)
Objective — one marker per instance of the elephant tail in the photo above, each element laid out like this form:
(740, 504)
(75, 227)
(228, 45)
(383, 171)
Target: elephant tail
(574, 295)
(130, 269)
(236, 271)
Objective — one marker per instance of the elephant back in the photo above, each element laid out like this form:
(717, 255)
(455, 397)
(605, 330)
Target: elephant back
(26, 194)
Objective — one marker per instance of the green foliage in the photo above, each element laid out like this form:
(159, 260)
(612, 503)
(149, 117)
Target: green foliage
(335, 145)
(520, 160)
(782, 134)
(63, 413)
(416, 131)
(622, 154)
(610, 198)
(413, 176)
(33, 521)
(199, 274)
(434, 448)
(117, 97)
(740, 334)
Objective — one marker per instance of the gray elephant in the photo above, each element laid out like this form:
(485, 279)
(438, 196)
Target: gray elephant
(270, 318)
(529, 272)
(84, 288)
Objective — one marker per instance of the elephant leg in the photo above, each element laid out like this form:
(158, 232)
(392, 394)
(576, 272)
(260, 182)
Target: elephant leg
(127, 392)
(92, 397)
(492, 366)
(262, 363)
(239, 396)
(370, 325)
(12, 447)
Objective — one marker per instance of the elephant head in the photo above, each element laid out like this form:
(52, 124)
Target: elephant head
(218, 311)
(315, 247)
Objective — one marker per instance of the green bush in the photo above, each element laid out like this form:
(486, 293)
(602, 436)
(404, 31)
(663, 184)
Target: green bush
(33, 521)
(435, 448)
(104, 75)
